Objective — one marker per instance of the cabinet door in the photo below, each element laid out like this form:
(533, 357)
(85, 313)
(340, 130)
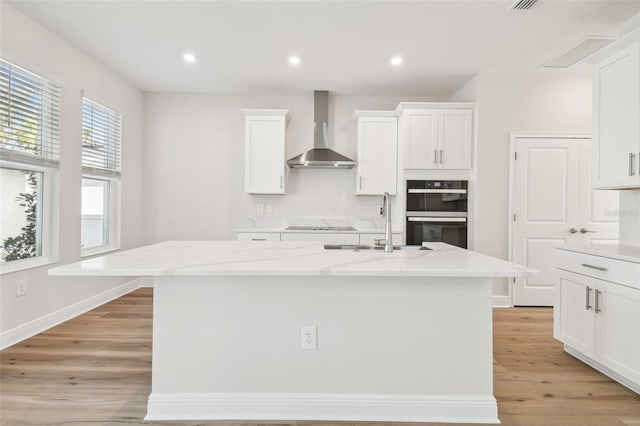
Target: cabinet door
(573, 317)
(377, 155)
(616, 120)
(421, 140)
(618, 329)
(454, 136)
(265, 155)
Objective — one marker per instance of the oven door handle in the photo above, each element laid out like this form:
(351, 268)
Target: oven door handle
(436, 191)
(436, 219)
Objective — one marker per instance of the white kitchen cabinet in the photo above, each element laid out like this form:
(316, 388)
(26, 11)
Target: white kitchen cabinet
(324, 237)
(437, 138)
(265, 151)
(616, 117)
(377, 152)
(597, 319)
(258, 236)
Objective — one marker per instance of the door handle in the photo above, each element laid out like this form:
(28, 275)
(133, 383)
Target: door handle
(573, 230)
(631, 157)
(597, 307)
(435, 156)
(281, 182)
(587, 305)
(584, 231)
(440, 156)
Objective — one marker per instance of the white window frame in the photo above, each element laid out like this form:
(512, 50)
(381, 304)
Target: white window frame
(47, 164)
(49, 220)
(112, 176)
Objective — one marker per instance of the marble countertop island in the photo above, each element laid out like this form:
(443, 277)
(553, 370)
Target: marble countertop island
(205, 258)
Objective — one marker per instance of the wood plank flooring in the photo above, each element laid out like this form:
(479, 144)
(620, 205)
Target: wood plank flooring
(96, 369)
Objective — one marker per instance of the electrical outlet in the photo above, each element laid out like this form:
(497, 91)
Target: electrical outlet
(309, 338)
(260, 208)
(269, 209)
(21, 287)
(380, 211)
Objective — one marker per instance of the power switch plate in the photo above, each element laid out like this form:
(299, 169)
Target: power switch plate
(309, 338)
(21, 287)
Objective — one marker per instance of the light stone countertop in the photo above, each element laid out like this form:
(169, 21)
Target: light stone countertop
(289, 258)
(312, 231)
(614, 251)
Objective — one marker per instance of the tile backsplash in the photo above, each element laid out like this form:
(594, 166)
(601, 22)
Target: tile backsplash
(630, 217)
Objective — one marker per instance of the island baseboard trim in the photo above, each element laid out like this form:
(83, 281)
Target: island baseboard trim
(323, 407)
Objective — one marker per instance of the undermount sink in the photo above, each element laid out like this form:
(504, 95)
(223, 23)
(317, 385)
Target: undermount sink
(356, 247)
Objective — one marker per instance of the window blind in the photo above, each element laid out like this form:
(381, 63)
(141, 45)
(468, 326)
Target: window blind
(101, 139)
(29, 117)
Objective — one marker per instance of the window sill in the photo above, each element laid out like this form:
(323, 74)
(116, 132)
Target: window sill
(98, 250)
(24, 264)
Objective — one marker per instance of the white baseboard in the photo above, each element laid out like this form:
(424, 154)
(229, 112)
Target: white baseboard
(146, 282)
(501, 302)
(323, 407)
(45, 322)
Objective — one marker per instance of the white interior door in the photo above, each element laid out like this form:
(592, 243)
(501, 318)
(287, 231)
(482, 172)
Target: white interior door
(554, 205)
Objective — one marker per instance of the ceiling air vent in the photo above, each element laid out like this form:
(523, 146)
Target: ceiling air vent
(524, 4)
(585, 48)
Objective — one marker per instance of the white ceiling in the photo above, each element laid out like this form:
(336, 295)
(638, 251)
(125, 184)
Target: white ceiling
(345, 46)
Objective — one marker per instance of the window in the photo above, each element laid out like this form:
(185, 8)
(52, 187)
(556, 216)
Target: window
(101, 142)
(29, 155)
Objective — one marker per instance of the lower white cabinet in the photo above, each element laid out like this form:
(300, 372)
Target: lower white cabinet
(258, 236)
(325, 237)
(599, 320)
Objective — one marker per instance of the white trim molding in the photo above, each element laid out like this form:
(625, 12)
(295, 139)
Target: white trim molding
(45, 322)
(323, 407)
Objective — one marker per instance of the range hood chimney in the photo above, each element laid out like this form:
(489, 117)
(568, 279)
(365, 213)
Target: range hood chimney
(321, 156)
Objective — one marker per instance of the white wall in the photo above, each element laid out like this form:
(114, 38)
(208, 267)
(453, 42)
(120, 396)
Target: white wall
(195, 164)
(31, 46)
(540, 103)
(630, 217)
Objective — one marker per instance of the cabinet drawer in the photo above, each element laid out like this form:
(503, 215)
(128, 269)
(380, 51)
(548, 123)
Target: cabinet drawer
(604, 268)
(258, 236)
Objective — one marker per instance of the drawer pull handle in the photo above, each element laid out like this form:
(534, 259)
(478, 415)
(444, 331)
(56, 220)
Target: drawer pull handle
(631, 157)
(599, 268)
(258, 239)
(587, 305)
(597, 308)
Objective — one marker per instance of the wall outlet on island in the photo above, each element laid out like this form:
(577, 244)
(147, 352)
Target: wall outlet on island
(309, 338)
(21, 288)
(269, 208)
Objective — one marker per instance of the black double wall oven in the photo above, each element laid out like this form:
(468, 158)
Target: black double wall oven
(437, 211)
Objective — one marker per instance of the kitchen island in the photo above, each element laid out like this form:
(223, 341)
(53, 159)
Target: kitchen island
(267, 330)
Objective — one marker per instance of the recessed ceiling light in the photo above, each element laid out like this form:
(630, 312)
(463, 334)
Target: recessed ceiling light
(294, 60)
(189, 58)
(396, 61)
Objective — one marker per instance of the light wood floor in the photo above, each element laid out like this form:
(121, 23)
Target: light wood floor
(96, 369)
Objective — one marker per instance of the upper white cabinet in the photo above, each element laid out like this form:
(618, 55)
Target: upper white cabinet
(265, 151)
(616, 117)
(377, 152)
(437, 138)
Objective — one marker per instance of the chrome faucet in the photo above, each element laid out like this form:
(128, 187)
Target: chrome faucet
(386, 211)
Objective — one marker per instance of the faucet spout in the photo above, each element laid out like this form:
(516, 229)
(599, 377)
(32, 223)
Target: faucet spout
(386, 205)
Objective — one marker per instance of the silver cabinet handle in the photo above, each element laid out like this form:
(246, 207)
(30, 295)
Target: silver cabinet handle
(435, 156)
(587, 304)
(573, 230)
(360, 182)
(584, 231)
(631, 157)
(440, 156)
(597, 307)
(280, 182)
(599, 268)
(258, 239)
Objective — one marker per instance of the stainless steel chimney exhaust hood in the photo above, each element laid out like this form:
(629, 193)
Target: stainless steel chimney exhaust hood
(321, 156)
